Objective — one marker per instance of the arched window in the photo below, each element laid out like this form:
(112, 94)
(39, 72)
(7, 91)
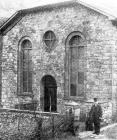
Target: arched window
(76, 66)
(25, 67)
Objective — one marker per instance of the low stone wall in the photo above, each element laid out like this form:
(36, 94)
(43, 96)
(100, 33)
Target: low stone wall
(26, 125)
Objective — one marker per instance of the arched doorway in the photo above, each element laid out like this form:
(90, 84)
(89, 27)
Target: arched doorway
(50, 93)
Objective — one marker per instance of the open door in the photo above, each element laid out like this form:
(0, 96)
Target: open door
(50, 93)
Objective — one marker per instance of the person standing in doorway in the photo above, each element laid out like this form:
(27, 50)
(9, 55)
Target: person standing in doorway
(96, 113)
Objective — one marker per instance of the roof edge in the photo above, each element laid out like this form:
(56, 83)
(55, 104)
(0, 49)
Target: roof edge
(42, 7)
(96, 9)
(9, 21)
(22, 12)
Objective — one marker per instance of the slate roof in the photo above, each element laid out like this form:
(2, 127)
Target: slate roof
(21, 13)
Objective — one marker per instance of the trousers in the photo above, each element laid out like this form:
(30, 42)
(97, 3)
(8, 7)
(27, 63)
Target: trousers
(96, 126)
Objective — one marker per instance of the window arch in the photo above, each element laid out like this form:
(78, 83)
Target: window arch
(25, 66)
(75, 47)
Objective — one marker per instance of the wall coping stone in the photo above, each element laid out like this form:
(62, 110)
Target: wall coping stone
(28, 112)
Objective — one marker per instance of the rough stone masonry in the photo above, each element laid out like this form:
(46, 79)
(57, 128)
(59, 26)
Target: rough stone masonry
(63, 19)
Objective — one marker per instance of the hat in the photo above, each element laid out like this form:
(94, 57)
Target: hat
(95, 99)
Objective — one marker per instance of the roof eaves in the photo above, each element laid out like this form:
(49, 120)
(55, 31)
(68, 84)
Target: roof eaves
(10, 21)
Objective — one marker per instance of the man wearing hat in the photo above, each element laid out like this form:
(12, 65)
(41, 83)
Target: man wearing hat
(96, 114)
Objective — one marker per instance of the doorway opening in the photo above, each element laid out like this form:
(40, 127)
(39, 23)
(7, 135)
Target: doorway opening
(49, 93)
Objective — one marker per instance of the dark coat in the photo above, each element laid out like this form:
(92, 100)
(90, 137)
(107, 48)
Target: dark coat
(96, 112)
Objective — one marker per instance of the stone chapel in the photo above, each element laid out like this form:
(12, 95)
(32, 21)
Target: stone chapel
(58, 53)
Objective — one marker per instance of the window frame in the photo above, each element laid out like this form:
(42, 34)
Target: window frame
(67, 65)
(49, 47)
(76, 47)
(20, 91)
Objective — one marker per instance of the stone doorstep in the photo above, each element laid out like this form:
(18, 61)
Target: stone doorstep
(89, 133)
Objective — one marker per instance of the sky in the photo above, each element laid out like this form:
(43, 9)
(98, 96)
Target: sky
(9, 7)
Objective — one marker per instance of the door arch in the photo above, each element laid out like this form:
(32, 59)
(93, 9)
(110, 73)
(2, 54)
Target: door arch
(49, 93)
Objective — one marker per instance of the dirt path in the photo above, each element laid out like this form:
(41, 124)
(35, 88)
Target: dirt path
(95, 137)
(107, 133)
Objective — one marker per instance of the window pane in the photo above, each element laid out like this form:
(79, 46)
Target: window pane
(80, 90)
(30, 81)
(30, 65)
(80, 77)
(25, 65)
(80, 52)
(74, 53)
(25, 59)
(30, 55)
(49, 39)
(47, 42)
(74, 60)
(25, 78)
(26, 44)
(76, 66)
(27, 81)
(75, 40)
(73, 89)
(26, 62)
(25, 88)
(73, 80)
(48, 35)
(25, 54)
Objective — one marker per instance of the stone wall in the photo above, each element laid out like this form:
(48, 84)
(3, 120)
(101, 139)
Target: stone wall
(1, 45)
(27, 125)
(14, 124)
(100, 37)
(114, 75)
